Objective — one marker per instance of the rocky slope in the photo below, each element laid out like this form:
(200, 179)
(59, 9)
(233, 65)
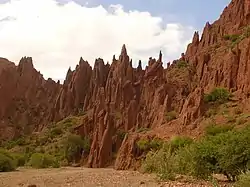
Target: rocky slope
(116, 98)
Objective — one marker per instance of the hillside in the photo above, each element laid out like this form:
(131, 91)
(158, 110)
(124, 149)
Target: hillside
(116, 105)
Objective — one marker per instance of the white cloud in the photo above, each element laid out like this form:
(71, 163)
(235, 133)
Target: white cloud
(56, 35)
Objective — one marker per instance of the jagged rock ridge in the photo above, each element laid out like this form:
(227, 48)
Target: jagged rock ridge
(119, 98)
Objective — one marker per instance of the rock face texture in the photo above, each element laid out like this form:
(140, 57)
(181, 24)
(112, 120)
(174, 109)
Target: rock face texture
(115, 99)
(25, 97)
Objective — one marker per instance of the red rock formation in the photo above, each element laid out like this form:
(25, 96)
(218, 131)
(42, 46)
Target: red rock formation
(119, 99)
(25, 98)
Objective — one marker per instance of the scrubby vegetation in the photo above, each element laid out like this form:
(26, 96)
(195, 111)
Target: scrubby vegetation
(39, 160)
(237, 38)
(214, 129)
(74, 145)
(244, 180)
(232, 38)
(182, 64)
(7, 162)
(147, 145)
(223, 151)
(217, 95)
(53, 147)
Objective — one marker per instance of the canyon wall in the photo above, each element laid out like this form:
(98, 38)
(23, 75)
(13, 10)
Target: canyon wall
(117, 98)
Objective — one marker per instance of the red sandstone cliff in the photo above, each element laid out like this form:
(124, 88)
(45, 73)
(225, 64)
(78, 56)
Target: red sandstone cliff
(25, 98)
(119, 98)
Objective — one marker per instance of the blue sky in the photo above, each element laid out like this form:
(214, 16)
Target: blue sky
(190, 12)
(56, 34)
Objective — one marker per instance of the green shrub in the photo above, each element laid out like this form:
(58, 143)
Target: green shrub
(171, 115)
(226, 152)
(6, 163)
(232, 38)
(55, 132)
(214, 129)
(160, 162)
(220, 95)
(74, 145)
(233, 152)
(143, 144)
(178, 142)
(12, 143)
(182, 64)
(244, 180)
(68, 122)
(39, 160)
(147, 145)
(20, 158)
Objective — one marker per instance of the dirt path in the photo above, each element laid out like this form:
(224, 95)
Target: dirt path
(82, 177)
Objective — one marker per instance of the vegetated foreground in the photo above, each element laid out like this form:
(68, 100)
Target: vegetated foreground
(79, 177)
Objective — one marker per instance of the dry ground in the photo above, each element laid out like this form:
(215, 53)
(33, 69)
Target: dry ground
(84, 177)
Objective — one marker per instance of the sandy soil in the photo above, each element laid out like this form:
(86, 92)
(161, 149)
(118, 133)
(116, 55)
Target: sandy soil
(83, 177)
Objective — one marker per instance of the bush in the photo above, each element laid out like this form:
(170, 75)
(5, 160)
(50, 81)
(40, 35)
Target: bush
(225, 152)
(68, 122)
(7, 162)
(213, 129)
(182, 64)
(220, 95)
(244, 180)
(171, 115)
(160, 162)
(39, 160)
(147, 145)
(13, 143)
(21, 159)
(55, 132)
(178, 142)
(232, 38)
(74, 145)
